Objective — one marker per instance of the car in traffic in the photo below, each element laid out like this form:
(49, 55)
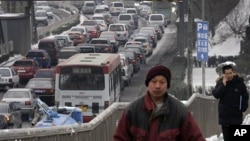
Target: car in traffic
(25, 98)
(64, 40)
(85, 48)
(41, 56)
(67, 52)
(44, 88)
(102, 45)
(113, 41)
(133, 59)
(88, 7)
(122, 31)
(83, 31)
(140, 52)
(146, 44)
(45, 73)
(10, 115)
(127, 67)
(8, 78)
(77, 37)
(52, 46)
(41, 18)
(25, 68)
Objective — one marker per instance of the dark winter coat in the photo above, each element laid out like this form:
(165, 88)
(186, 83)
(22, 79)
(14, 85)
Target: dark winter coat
(172, 122)
(233, 100)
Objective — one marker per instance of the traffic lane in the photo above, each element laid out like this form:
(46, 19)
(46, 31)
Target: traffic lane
(137, 86)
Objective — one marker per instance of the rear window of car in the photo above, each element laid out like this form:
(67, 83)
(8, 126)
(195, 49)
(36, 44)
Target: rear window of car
(39, 84)
(66, 54)
(118, 4)
(156, 18)
(90, 4)
(124, 17)
(35, 54)
(46, 44)
(23, 63)
(89, 22)
(140, 40)
(131, 11)
(44, 74)
(99, 42)
(4, 72)
(116, 28)
(17, 94)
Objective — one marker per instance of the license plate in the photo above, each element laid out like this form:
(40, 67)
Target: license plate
(38, 91)
(20, 70)
(83, 108)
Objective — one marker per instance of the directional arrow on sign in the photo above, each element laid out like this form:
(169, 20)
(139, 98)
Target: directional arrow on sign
(202, 56)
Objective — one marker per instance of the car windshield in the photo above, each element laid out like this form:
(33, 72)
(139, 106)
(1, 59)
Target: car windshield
(118, 5)
(34, 54)
(39, 84)
(23, 63)
(90, 4)
(140, 40)
(4, 72)
(17, 94)
(44, 74)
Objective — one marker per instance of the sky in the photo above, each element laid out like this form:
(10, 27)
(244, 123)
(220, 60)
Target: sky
(222, 44)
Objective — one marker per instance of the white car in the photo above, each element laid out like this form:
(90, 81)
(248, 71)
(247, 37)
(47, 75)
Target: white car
(25, 98)
(8, 78)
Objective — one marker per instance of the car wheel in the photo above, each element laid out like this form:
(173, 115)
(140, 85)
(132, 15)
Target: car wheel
(3, 122)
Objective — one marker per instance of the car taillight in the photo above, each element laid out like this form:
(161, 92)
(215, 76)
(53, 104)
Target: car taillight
(44, 58)
(52, 91)
(133, 60)
(106, 48)
(7, 118)
(140, 56)
(27, 103)
(10, 80)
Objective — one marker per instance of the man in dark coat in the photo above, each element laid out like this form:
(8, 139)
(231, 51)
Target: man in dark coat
(233, 98)
(157, 116)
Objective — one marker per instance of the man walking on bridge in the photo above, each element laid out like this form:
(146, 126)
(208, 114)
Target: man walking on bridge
(157, 116)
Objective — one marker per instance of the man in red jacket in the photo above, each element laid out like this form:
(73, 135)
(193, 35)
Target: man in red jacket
(157, 116)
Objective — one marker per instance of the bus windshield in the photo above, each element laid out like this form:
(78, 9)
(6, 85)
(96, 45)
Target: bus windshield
(81, 78)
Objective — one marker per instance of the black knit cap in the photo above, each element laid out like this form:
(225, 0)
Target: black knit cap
(158, 70)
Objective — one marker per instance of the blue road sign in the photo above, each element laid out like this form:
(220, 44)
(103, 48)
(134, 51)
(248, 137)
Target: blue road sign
(202, 40)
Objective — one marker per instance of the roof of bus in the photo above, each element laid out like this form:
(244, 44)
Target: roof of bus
(95, 59)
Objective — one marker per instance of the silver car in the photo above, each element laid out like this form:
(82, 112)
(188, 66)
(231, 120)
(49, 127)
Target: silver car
(24, 97)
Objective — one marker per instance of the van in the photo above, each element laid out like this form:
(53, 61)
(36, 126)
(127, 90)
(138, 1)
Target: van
(115, 8)
(122, 31)
(127, 19)
(157, 19)
(52, 46)
(88, 7)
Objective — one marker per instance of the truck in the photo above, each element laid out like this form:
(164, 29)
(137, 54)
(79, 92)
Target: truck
(163, 7)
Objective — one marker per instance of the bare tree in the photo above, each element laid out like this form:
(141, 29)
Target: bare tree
(238, 19)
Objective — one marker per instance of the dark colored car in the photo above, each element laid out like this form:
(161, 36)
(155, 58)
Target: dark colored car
(41, 56)
(10, 115)
(139, 50)
(102, 45)
(133, 58)
(52, 46)
(45, 73)
(43, 88)
(85, 48)
(26, 68)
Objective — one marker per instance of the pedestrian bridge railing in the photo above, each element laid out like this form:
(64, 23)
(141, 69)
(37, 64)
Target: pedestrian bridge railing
(101, 128)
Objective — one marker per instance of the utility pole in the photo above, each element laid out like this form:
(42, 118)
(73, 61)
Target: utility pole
(203, 63)
(33, 22)
(181, 25)
(190, 49)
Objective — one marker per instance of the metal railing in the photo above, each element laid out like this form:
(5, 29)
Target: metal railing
(204, 109)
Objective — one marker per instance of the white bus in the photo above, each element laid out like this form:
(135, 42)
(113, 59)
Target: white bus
(90, 81)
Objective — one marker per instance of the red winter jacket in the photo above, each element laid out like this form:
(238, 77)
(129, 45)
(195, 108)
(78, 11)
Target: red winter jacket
(172, 122)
